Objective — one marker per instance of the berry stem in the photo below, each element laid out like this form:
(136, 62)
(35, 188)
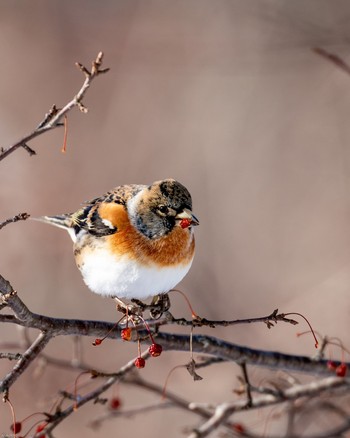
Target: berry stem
(138, 348)
(13, 413)
(99, 341)
(35, 424)
(164, 396)
(148, 329)
(64, 146)
(75, 406)
(307, 322)
(193, 313)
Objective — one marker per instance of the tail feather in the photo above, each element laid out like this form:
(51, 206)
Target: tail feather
(62, 221)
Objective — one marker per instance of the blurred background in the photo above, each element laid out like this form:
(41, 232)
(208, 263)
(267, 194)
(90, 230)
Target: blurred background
(226, 96)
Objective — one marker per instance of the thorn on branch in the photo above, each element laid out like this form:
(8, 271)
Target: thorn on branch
(18, 217)
(67, 395)
(100, 400)
(83, 108)
(30, 151)
(48, 116)
(10, 356)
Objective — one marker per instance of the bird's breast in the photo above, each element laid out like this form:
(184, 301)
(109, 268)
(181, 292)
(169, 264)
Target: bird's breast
(175, 248)
(128, 264)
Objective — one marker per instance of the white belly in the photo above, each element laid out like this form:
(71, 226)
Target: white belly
(125, 278)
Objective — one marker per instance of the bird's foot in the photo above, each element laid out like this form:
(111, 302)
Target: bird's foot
(159, 305)
(132, 310)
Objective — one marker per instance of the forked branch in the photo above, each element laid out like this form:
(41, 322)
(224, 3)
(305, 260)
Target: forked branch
(53, 119)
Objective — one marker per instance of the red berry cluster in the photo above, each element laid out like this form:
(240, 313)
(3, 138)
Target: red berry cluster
(155, 350)
(340, 370)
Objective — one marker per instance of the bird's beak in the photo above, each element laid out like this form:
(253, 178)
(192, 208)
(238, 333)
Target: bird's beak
(187, 217)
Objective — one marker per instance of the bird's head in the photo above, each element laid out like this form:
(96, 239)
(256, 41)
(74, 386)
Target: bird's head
(157, 209)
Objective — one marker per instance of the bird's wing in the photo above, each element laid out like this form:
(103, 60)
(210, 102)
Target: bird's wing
(88, 217)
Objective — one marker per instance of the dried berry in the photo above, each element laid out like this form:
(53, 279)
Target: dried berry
(140, 362)
(126, 334)
(114, 403)
(16, 427)
(238, 427)
(331, 365)
(40, 427)
(341, 370)
(155, 350)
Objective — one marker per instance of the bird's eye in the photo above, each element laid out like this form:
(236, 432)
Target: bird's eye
(163, 209)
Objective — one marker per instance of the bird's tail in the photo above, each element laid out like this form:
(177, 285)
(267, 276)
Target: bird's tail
(62, 221)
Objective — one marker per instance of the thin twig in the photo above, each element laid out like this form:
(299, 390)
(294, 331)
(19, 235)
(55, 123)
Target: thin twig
(18, 217)
(247, 385)
(10, 356)
(53, 118)
(176, 400)
(224, 410)
(26, 359)
(269, 320)
(30, 151)
(57, 418)
(131, 412)
(333, 58)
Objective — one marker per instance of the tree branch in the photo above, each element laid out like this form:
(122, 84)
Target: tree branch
(224, 410)
(57, 418)
(54, 116)
(218, 349)
(269, 320)
(26, 359)
(175, 342)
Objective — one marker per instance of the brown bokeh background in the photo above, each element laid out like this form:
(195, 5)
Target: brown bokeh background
(228, 98)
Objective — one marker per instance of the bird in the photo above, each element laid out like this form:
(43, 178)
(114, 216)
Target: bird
(134, 242)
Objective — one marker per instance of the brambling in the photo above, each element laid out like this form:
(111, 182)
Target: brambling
(134, 242)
